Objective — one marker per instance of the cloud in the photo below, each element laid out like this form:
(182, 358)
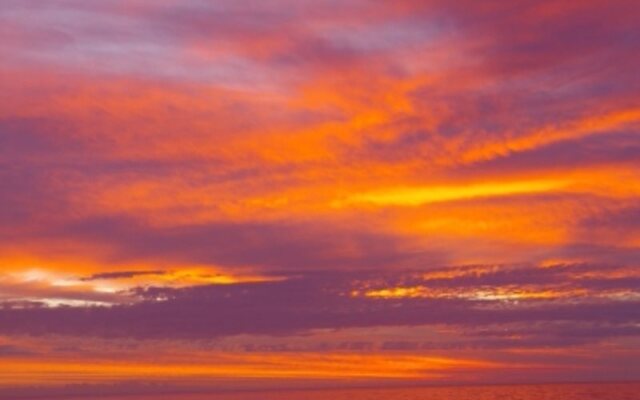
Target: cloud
(182, 161)
(327, 301)
(7, 350)
(593, 151)
(423, 195)
(275, 246)
(121, 275)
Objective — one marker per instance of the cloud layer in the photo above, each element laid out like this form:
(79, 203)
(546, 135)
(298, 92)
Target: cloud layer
(283, 169)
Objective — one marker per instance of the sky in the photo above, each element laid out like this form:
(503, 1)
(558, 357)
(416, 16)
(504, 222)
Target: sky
(294, 193)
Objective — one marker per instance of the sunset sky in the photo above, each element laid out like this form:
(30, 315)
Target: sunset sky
(296, 193)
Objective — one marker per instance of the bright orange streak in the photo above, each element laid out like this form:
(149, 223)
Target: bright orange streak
(257, 366)
(600, 124)
(497, 293)
(414, 196)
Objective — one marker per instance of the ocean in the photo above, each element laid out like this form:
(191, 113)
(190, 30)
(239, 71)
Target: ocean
(591, 391)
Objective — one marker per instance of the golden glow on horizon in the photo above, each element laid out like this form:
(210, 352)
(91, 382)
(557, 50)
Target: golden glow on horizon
(315, 366)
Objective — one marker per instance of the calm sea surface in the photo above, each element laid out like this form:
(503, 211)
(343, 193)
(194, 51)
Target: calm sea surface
(609, 391)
